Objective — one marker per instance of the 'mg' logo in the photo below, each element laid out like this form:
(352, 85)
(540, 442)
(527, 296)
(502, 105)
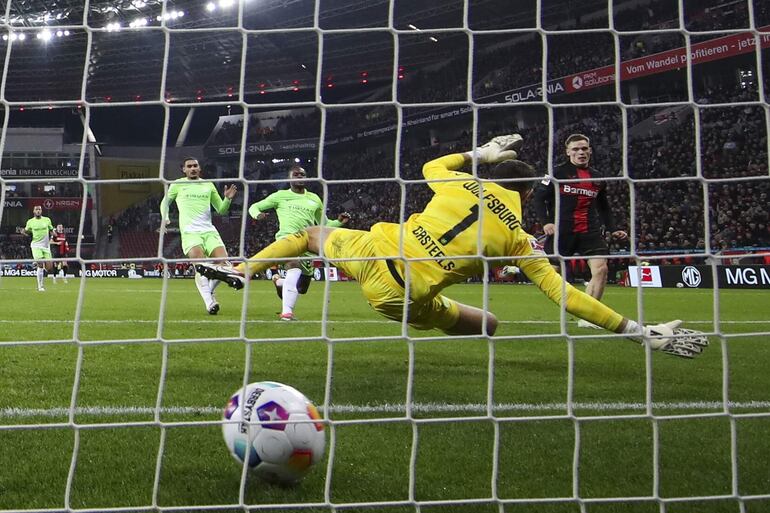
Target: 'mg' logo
(691, 276)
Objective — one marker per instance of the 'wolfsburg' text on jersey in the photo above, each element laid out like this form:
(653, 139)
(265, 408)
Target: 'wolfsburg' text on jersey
(465, 217)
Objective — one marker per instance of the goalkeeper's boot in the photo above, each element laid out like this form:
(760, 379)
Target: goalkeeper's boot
(288, 317)
(223, 273)
(672, 339)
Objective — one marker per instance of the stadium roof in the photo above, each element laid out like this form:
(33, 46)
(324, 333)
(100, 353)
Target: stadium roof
(125, 48)
(124, 42)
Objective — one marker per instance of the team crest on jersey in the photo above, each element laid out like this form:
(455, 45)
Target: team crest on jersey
(537, 246)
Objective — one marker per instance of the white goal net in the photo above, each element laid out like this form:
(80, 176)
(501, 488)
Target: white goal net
(117, 362)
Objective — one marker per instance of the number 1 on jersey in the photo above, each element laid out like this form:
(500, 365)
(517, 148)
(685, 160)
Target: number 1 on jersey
(462, 225)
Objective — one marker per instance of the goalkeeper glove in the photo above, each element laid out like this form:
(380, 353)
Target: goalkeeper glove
(502, 147)
(671, 339)
(510, 270)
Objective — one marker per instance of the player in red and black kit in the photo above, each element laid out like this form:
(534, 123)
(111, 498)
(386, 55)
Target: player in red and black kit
(584, 212)
(60, 250)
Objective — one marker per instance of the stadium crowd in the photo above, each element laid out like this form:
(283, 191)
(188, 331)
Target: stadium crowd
(12, 248)
(297, 126)
(668, 216)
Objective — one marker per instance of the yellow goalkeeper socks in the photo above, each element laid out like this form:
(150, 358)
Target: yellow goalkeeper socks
(291, 246)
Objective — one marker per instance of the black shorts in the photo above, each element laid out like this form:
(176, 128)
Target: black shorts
(585, 244)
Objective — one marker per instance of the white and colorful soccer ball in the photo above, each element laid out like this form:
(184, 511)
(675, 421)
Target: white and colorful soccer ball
(277, 428)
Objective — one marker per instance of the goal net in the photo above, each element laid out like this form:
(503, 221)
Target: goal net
(116, 368)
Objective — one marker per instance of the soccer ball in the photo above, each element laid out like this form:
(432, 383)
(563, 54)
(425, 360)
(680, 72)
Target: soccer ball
(281, 452)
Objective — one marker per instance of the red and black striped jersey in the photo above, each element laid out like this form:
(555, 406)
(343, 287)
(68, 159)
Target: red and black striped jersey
(583, 205)
(60, 242)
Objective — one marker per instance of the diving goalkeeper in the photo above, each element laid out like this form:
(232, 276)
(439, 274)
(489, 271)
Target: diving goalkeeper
(466, 219)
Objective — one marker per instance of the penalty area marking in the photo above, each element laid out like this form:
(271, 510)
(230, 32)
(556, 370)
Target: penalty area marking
(106, 411)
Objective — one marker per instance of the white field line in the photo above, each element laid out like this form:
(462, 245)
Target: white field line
(276, 321)
(17, 413)
(49, 288)
(74, 285)
(256, 290)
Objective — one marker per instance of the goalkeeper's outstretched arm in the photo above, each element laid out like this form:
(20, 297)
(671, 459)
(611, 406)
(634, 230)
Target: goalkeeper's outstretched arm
(668, 337)
(542, 274)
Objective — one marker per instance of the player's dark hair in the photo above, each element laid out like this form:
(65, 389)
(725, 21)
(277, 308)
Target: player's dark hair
(524, 175)
(577, 137)
(184, 161)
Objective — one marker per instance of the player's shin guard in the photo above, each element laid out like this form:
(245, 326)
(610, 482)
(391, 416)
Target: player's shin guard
(40, 277)
(290, 292)
(291, 246)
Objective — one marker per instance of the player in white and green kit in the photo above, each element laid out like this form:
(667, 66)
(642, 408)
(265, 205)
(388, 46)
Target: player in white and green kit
(200, 239)
(41, 229)
(297, 208)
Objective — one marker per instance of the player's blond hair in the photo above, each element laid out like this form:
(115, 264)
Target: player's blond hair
(577, 137)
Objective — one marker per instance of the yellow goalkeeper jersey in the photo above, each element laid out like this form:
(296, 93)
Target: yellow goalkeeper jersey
(465, 218)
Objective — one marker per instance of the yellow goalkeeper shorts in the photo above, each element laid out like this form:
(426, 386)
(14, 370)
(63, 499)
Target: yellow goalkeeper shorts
(382, 282)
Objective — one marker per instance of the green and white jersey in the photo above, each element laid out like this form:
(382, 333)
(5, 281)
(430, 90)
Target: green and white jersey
(296, 211)
(194, 199)
(41, 232)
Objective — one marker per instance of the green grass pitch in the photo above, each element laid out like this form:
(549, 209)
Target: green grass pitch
(537, 415)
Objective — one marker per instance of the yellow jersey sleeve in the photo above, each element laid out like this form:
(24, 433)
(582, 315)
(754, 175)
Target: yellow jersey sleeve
(444, 168)
(578, 303)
